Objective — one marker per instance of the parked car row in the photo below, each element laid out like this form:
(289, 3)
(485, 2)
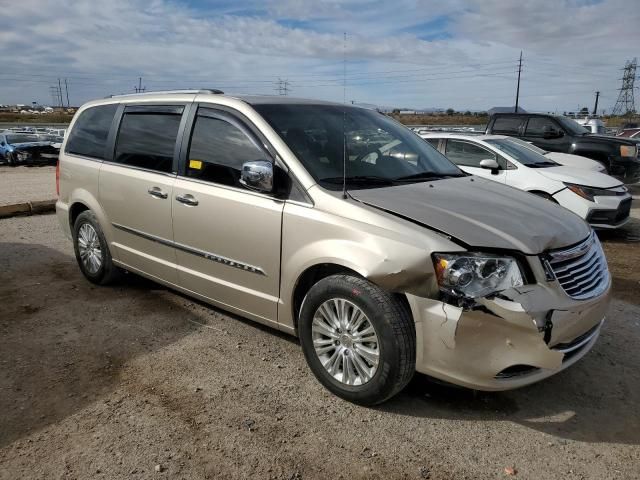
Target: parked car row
(556, 133)
(600, 199)
(27, 147)
(340, 226)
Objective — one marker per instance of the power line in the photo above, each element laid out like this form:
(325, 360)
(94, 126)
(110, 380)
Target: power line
(282, 87)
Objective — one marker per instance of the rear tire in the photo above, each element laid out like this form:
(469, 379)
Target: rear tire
(92, 251)
(364, 357)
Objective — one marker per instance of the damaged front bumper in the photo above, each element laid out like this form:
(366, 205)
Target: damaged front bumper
(519, 337)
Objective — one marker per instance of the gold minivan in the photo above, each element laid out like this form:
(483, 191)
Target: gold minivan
(338, 225)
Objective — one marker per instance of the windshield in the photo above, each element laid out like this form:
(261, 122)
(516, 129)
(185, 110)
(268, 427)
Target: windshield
(572, 126)
(522, 154)
(379, 151)
(22, 138)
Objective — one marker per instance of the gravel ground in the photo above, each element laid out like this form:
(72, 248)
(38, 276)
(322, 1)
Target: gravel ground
(24, 184)
(135, 381)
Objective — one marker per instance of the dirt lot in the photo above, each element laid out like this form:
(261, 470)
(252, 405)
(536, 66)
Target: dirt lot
(123, 381)
(25, 184)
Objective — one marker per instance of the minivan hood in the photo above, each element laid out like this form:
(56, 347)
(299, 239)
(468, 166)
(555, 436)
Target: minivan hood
(481, 213)
(579, 177)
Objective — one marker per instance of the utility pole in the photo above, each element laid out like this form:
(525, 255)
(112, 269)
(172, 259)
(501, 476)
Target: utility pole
(595, 107)
(60, 93)
(139, 88)
(66, 87)
(518, 88)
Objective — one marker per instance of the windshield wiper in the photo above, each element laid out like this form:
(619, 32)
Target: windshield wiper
(428, 176)
(359, 180)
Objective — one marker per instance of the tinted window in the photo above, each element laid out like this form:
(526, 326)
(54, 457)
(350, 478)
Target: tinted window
(147, 140)
(217, 151)
(572, 126)
(89, 134)
(508, 125)
(524, 155)
(378, 151)
(537, 125)
(467, 154)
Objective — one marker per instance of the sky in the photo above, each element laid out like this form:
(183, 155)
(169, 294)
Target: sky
(405, 54)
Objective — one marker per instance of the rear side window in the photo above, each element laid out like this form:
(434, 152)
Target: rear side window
(147, 138)
(537, 125)
(508, 125)
(218, 149)
(89, 134)
(467, 154)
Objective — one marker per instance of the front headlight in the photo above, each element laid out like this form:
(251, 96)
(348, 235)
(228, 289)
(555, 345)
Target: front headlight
(589, 193)
(476, 275)
(628, 151)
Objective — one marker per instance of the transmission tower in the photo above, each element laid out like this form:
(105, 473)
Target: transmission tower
(625, 103)
(282, 87)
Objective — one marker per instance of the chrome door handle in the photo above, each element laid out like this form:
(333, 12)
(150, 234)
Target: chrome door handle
(187, 199)
(156, 192)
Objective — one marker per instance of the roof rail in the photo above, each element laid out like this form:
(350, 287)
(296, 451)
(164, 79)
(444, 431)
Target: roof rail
(201, 90)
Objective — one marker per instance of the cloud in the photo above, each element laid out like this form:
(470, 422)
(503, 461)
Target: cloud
(413, 53)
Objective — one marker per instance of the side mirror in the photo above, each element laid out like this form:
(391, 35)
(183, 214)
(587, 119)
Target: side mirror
(489, 164)
(257, 175)
(551, 132)
(2, 143)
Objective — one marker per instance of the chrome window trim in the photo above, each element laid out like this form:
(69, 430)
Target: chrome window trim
(83, 157)
(195, 251)
(230, 187)
(140, 169)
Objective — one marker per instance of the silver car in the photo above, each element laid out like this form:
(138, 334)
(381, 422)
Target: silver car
(338, 225)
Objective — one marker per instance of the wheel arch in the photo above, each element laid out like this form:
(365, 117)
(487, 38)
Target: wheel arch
(309, 277)
(314, 273)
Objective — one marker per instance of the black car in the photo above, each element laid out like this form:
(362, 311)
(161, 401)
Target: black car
(26, 148)
(556, 133)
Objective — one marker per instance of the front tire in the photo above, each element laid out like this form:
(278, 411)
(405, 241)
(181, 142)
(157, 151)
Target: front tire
(359, 340)
(92, 251)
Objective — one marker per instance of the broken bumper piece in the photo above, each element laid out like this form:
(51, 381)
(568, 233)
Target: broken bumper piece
(514, 339)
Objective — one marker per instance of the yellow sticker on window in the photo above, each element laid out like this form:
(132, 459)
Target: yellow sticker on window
(195, 164)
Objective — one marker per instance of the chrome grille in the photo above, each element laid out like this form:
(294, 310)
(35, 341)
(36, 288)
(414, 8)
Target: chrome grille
(581, 270)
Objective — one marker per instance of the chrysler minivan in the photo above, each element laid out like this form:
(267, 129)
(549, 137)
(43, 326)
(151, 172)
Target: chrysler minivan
(338, 225)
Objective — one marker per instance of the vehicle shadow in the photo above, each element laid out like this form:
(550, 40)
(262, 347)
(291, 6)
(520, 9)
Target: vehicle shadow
(628, 233)
(64, 341)
(595, 400)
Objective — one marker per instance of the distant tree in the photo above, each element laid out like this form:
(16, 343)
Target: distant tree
(396, 111)
(450, 111)
(467, 113)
